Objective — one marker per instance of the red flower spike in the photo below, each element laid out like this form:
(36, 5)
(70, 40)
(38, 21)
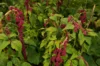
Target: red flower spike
(8, 17)
(84, 32)
(76, 26)
(7, 31)
(82, 16)
(63, 51)
(19, 22)
(69, 18)
(62, 26)
(53, 59)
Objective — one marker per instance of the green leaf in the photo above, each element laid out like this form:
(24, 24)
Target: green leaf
(33, 55)
(74, 63)
(81, 62)
(43, 43)
(16, 62)
(46, 63)
(70, 49)
(25, 64)
(88, 40)
(74, 55)
(3, 59)
(30, 41)
(64, 20)
(57, 43)
(52, 37)
(3, 45)
(98, 61)
(90, 60)
(55, 16)
(51, 29)
(50, 44)
(9, 63)
(3, 37)
(69, 26)
(16, 44)
(81, 37)
(12, 35)
(40, 18)
(67, 63)
(91, 33)
(73, 35)
(97, 23)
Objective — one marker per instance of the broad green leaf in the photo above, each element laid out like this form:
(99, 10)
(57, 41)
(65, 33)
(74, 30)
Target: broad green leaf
(16, 44)
(81, 62)
(81, 37)
(33, 55)
(64, 20)
(3, 37)
(57, 43)
(3, 59)
(91, 33)
(45, 56)
(16, 62)
(46, 63)
(95, 46)
(97, 23)
(3, 45)
(67, 63)
(25, 64)
(9, 63)
(74, 62)
(52, 37)
(55, 16)
(69, 26)
(88, 40)
(43, 43)
(40, 18)
(70, 49)
(89, 60)
(98, 61)
(30, 41)
(12, 35)
(73, 35)
(74, 55)
(51, 29)
(86, 47)
(50, 44)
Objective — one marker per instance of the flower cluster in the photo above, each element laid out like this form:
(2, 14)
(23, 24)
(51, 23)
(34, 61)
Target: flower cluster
(19, 17)
(27, 5)
(82, 16)
(56, 59)
(77, 26)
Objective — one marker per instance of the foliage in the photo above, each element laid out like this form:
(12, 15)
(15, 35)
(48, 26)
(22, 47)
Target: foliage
(49, 33)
